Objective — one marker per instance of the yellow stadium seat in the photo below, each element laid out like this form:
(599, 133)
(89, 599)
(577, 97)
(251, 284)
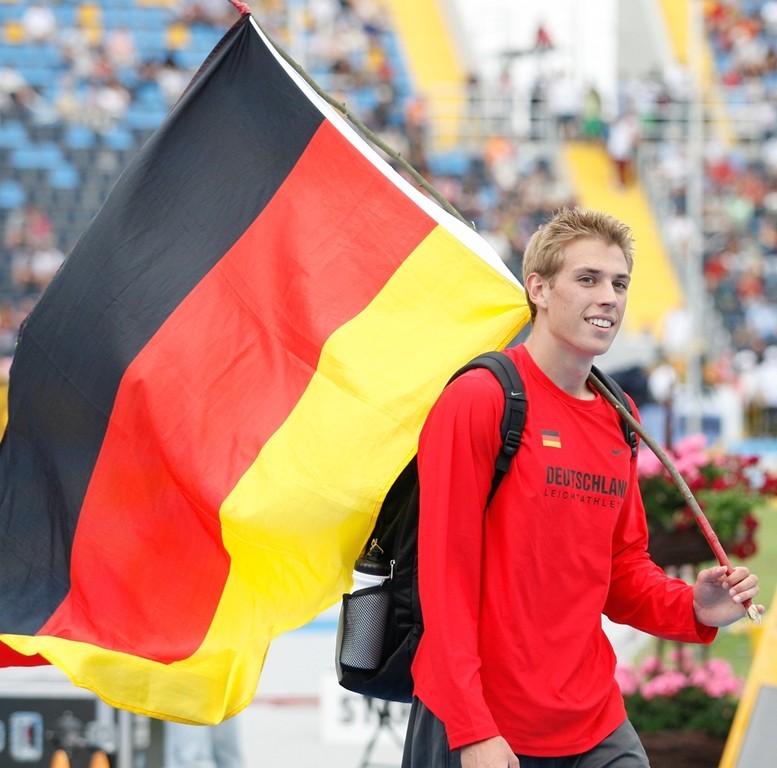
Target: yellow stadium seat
(178, 36)
(13, 32)
(89, 15)
(94, 36)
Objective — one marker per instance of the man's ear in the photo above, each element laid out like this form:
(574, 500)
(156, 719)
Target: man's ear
(535, 287)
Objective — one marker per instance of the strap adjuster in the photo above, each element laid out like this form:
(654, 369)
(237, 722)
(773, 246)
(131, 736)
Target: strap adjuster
(512, 441)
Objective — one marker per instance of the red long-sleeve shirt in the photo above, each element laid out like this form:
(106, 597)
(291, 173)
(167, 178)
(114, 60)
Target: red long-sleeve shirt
(512, 599)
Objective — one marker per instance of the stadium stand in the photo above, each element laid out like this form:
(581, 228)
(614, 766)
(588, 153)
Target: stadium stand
(83, 84)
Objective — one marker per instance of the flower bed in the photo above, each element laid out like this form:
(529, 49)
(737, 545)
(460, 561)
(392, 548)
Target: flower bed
(729, 488)
(684, 695)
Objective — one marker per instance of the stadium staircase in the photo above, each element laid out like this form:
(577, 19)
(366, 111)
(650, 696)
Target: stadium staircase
(676, 17)
(656, 288)
(427, 37)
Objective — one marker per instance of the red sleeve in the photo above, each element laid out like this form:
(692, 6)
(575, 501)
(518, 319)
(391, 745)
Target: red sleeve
(641, 595)
(456, 456)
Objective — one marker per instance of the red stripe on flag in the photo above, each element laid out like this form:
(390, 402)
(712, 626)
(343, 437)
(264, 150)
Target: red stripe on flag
(218, 379)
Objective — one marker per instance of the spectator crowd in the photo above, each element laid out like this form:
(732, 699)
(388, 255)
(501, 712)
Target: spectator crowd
(508, 180)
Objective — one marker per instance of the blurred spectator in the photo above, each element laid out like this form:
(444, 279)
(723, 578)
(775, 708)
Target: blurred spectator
(766, 390)
(31, 105)
(120, 48)
(33, 269)
(11, 85)
(210, 12)
(203, 746)
(29, 243)
(745, 377)
(109, 103)
(592, 125)
(622, 140)
(39, 23)
(8, 333)
(565, 103)
(171, 79)
(28, 227)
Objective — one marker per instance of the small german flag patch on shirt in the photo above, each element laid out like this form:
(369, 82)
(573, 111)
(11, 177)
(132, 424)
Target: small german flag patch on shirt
(551, 438)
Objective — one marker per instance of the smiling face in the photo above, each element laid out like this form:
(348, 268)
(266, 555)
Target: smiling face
(580, 309)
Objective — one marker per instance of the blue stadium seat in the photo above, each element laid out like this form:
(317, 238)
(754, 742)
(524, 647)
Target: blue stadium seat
(79, 137)
(149, 95)
(10, 12)
(118, 139)
(363, 100)
(66, 15)
(189, 58)
(151, 17)
(452, 163)
(13, 135)
(11, 194)
(64, 176)
(144, 118)
(205, 37)
(151, 43)
(36, 75)
(44, 156)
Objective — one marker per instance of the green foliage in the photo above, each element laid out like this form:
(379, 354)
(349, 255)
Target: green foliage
(691, 709)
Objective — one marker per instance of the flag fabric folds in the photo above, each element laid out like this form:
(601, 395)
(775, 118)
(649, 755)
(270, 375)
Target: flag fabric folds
(211, 399)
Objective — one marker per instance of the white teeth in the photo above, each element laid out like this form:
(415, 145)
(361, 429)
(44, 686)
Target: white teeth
(599, 323)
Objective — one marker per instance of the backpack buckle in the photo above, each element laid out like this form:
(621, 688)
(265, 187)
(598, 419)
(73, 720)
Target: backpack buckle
(512, 442)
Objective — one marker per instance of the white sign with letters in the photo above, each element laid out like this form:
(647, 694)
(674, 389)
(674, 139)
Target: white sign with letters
(348, 718)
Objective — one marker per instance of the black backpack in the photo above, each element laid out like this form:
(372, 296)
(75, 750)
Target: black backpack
(379, 627)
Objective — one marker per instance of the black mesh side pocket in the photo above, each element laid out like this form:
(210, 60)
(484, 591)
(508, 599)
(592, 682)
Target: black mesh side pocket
(363, 624)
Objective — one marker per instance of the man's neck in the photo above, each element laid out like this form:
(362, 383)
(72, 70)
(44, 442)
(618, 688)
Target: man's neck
(567, 371)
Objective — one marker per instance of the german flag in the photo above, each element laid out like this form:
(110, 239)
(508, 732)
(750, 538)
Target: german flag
(210, 401)
(551, 438)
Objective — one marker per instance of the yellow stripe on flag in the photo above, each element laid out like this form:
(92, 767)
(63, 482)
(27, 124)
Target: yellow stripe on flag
(357, 424)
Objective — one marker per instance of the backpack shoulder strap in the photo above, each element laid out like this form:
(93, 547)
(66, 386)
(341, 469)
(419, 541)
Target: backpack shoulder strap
(629, 435)
(514, 417)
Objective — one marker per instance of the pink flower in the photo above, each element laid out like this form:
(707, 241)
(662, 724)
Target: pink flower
(668, 683)
(652, 665)
(626, 679)
(649, 464)
(693, 444)
(717, 679)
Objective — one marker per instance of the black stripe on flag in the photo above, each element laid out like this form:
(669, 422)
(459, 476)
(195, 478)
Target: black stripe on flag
(187, 196)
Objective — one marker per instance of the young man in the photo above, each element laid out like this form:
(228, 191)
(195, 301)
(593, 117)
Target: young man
(513, 666)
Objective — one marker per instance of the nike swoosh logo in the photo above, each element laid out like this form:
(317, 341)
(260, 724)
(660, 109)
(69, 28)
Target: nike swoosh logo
(516, 394)
(617, 451)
